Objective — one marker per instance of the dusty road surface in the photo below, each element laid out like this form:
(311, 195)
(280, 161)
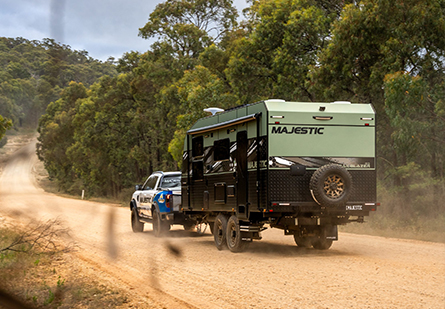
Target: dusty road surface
(357, 272)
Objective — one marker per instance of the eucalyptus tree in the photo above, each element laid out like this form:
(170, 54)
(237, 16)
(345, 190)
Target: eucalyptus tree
(188, 26)
(4, 125)
(283, 40)
(183, 29)
(56, 130)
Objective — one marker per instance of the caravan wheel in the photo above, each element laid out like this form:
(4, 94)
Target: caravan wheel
(303, 242)
(234, 240)
(322, 244)
(219, 231)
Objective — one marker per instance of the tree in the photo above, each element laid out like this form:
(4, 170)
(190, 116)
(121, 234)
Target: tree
(189, 26)
(417, 114)
(5, 124)
(273, 61)
(374, 38)
(185, 29)
(32, 74)
(56, 134)
(197, 90)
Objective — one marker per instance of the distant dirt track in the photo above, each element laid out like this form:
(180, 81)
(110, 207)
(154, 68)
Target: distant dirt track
(357, 272)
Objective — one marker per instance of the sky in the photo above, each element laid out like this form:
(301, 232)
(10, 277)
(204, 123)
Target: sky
(104, 28)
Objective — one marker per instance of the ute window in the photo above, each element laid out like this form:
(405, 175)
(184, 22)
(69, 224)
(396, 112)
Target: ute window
(171, 182)
(151, 182)
(222, 150)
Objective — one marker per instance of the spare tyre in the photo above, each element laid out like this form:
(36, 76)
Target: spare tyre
(331, 185)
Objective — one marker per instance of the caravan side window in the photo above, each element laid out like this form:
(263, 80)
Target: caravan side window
(197, 146)
(197, 158)
(198, 170)
(221, 150)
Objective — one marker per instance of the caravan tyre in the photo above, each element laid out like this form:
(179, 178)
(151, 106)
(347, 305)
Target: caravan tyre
(219, 231)
(234, 239)
(331, 185)
(322, 244)
(303, 242)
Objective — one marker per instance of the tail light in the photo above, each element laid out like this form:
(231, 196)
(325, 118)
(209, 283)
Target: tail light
(169, 201)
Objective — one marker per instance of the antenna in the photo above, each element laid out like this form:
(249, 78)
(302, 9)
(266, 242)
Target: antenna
(213, 110)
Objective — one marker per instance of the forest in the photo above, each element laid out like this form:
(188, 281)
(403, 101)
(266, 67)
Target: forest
(105, 126)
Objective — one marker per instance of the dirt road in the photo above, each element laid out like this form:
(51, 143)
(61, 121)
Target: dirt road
(357, 272)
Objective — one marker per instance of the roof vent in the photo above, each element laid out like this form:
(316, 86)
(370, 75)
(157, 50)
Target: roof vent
(213, 110)
(341, 102)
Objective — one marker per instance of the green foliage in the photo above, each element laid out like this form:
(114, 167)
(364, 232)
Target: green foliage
(197, 90)
(416, 113)
(274, 60)
(374, 38)
(185, 28)
(189, 26)
(5, 124)
(56, 130)
(32, 74)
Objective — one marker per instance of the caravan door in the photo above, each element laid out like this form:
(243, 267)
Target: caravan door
(242, 176)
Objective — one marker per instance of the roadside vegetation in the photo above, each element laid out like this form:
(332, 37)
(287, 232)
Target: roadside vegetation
(38, 270)
(108, 133)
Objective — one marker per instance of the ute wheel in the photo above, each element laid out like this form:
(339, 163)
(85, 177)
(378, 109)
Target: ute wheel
(136, 225)
(331, 185)
(233, 236)
(303, 242)
(322, 244)
(159, 227)
(219, 231)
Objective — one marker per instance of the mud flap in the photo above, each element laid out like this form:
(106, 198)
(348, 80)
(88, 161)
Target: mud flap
(329, 232)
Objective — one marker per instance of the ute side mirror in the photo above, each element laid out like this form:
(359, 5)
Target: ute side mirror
(137, 187)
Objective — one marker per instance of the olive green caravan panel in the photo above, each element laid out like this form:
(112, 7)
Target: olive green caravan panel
(321, 141)
(337, 129)
(340, 113)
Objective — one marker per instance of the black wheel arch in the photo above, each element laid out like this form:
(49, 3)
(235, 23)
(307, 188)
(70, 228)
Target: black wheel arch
(132, 204)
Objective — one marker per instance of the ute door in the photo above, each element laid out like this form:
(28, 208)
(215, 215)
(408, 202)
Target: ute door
(146, 196)
(242, 176)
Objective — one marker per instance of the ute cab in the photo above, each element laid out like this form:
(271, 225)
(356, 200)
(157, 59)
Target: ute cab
(157, 201)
